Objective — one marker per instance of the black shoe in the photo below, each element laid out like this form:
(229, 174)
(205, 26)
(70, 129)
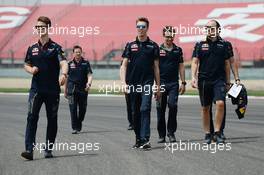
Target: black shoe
(28, 155)
(208, 138)
(162, 140)
(172, 138)
(48, 154)
(145, 146)
(218, 138)
(137, 144)
(223, 136)
(130, 127)
(75, 132)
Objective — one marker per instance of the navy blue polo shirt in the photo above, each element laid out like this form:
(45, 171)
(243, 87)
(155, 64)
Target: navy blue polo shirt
(77, 73)
(47, 58)
(169, 64)
(212, 57)
(141, 56)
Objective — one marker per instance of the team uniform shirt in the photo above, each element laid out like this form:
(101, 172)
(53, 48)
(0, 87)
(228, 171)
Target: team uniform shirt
(47, 58)
(141, 56)
(169, 64)
(77, 74)
(212, 57)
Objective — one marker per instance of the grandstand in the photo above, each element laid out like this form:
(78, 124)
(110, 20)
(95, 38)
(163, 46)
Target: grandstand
(102, 28)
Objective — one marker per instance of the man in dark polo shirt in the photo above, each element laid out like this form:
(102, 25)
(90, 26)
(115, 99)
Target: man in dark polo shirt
(234, 69)
(142, 57)
(44, 60)
(76, 88)
(171, 65)
(211, 60)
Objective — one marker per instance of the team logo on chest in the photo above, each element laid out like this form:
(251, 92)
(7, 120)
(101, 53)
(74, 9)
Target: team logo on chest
(205, 46)
(35, 51)
(134, 47)
(72, 66)
(162, 53)
(220, 45)
(50, 49)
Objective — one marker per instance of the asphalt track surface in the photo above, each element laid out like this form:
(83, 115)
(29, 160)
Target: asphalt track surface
(106, 123)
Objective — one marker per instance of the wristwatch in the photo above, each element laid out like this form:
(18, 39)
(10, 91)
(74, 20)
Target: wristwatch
(184, 83)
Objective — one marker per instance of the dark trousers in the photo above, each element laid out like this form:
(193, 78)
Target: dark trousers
(212, 123)
(170, 97)
(78, 105)
(141, 107)
(34, 105)
(129, 110)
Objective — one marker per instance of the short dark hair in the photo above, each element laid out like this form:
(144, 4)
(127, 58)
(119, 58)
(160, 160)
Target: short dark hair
(168, 29)
(144, 19)
(45, 20)
(76, 47)
(217, 24)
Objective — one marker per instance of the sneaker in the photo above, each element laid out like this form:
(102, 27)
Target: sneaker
(208, 138)
(137, 144)
(223, 136)
(145, 146)
(218, 138)
(162, 140)
(48, 154)
(75, 132)
(28, 155)
(130, 127)
(172, 138)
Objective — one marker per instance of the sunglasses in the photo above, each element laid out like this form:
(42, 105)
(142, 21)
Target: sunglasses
(141, 26)
(169, 37)
(210, 27)
(40, 27)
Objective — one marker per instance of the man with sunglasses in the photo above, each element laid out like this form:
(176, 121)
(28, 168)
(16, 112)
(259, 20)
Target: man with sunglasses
(44, 60)
(171, 65)
(212, 58)
(142, 57)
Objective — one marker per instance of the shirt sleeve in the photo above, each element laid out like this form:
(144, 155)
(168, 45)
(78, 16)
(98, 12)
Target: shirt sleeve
(61, 54)
(89, 69)
(229, 52)
(69, 68)
(28, 59)
(156, 52)
(196, 51)
(127, 51)
(181, 56)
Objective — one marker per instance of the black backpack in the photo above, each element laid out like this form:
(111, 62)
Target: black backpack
(241, 101)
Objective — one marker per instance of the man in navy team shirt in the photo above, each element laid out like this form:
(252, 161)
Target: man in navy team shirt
(142, 58)
(171, 65)
(44, 60)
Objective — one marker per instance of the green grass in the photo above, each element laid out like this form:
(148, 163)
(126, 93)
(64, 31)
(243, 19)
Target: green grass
(96, 91)
(14, 90)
